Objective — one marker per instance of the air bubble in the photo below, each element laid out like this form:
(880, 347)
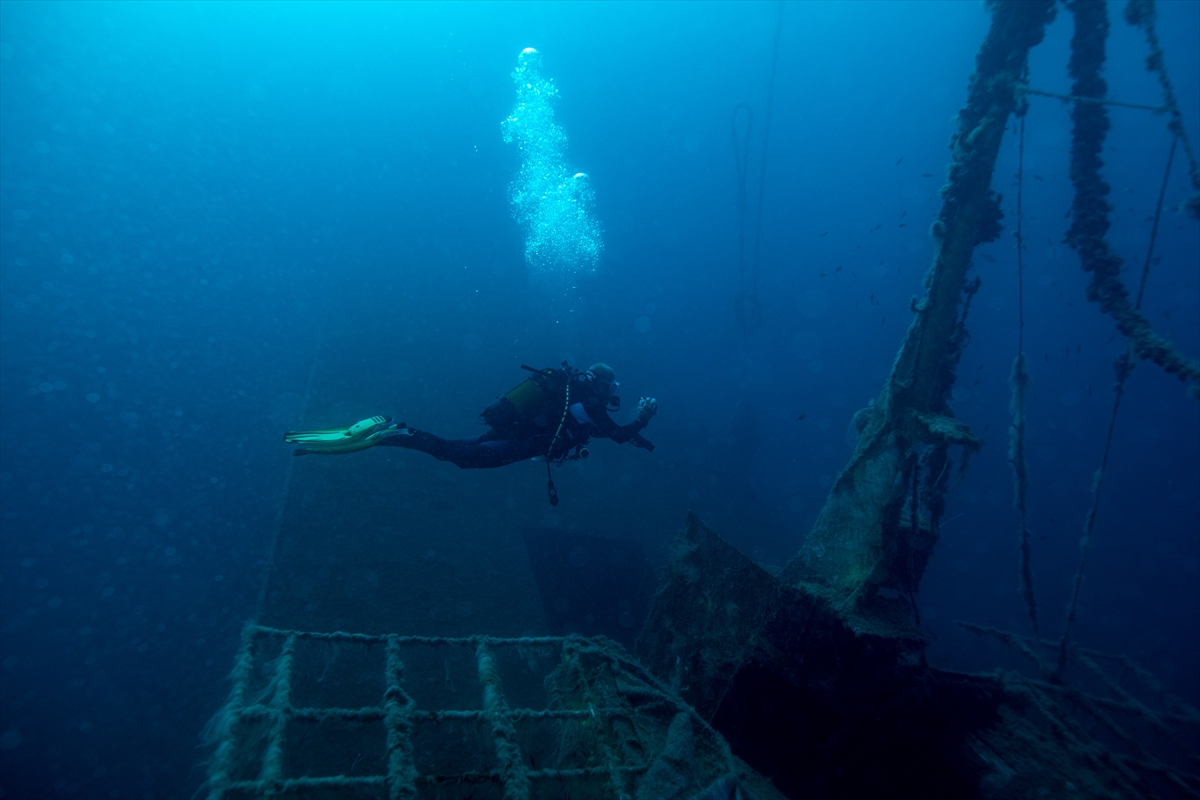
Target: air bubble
(552, 202)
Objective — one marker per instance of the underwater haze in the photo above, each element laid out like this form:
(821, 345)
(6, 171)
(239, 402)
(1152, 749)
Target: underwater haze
(220, 222)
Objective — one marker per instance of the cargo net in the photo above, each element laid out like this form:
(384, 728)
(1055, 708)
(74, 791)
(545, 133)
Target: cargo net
(343, 715)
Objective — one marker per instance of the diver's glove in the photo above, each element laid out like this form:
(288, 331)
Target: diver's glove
(647, 408)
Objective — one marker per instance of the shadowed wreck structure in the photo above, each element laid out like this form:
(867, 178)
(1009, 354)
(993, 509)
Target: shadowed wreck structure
(810, 683)
(817, 676)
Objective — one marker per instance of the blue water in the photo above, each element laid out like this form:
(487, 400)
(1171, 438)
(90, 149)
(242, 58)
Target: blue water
(196, 199)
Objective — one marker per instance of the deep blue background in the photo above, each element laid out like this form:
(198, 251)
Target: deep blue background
(192, 196)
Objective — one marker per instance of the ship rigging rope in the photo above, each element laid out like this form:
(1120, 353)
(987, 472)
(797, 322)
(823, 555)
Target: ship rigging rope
(741, 155)
(762, 180)
(1090, 212)
(287, 487)
(1020, 386)
(1097, 100)
(747, 306)
(1124, 367)
(1142, 14)
(1090, 207)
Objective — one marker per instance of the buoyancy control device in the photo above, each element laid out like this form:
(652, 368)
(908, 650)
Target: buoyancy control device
(537, 405)
(532, 406)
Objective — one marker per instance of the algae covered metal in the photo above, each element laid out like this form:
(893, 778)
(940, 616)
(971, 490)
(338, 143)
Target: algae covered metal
(829, 702)
(818, 676)
(880, 523)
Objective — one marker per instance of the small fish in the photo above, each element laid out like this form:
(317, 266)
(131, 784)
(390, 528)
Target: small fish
(826, 233)
(926, 174)
(855, 274)
(1166, 313)
(877, 227)
(1157, 260)
(987, 258)
(898, 160)
(1037, 177)
(901, 225)
(822, 274)
(883, 321)
(1078, 349)
(872, 299)
(839, 269)
(977, 380)
(905, 214)
(801, 417)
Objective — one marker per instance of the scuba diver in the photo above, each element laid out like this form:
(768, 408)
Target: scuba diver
(550, 416)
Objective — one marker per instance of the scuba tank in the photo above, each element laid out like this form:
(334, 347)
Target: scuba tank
(532, 406)
(541, 404)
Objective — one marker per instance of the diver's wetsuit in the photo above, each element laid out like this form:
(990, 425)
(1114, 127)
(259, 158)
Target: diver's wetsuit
(585, 420)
